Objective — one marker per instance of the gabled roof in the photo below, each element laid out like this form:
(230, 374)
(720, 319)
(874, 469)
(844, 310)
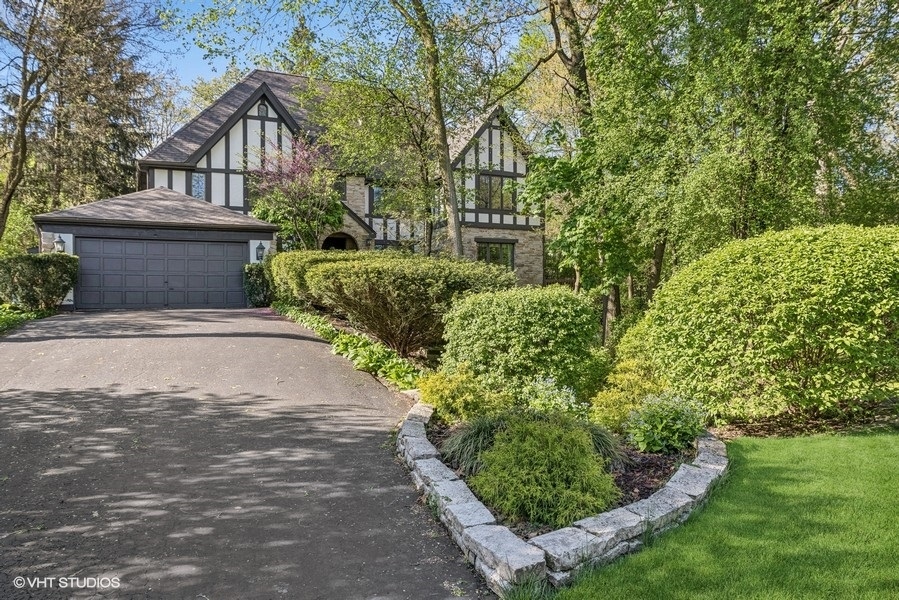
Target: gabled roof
(189, 143)
(159, 207)
(464, 136)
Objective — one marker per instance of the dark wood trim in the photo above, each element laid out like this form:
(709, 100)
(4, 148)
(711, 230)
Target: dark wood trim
(170, 177)
(151, 178)
(480, 240)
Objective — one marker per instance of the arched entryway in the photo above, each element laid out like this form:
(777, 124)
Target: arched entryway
(339, 241)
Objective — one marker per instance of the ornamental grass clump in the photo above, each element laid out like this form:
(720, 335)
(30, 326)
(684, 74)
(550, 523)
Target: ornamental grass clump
(544, 472)
(799, 323)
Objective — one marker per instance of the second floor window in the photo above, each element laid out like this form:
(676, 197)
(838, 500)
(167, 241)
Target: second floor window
(496, 193)
(198, 185)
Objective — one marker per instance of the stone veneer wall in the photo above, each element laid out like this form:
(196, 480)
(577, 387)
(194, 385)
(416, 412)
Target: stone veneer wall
(503, 558)
(357, 195)
(363, 238)
(528, 249)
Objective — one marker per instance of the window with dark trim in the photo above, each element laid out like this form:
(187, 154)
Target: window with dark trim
(198, 185)
(497, 253)
(262, 110)
(495, 192)
(374, 200)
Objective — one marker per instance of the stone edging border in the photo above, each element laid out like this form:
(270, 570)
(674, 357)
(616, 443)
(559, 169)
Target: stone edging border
(503, 558)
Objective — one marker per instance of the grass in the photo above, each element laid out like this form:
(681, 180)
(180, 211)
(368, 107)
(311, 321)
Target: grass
(806, 517)
(11, 317)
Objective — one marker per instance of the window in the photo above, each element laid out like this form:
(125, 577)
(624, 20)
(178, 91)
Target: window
(497, 253)
(262, 110)
(496, 193)
(374, 200)
(198, 185)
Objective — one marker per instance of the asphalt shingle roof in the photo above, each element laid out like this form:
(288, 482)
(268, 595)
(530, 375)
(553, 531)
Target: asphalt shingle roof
(181, 147)
(159, 207)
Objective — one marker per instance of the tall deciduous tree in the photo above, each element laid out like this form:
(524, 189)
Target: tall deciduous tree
(73, 99)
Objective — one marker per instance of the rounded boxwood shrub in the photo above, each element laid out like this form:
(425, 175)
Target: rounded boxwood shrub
(804, 321)
(402, 302)
(511, 337)
(544, 471)
(37, 281)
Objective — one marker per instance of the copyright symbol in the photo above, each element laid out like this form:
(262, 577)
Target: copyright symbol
(19, 582)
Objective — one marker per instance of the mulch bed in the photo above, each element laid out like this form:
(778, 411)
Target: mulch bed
(639, 476)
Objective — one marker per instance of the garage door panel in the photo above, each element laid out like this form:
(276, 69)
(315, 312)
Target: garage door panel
(113, 280)
(135, 265)
(112, 264)
(113, 247)
(90, 246)
(142, 274)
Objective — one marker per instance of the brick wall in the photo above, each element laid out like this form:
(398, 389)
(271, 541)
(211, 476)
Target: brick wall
(528, 249)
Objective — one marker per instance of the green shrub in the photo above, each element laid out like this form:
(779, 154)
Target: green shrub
(289, 269)
(463, 447)
(665, 423)
(544, 472)
(460, 396)
(37, 281)
(804, 321)
(257, 284)
(402, 302)
(543, 395)
(510, 337)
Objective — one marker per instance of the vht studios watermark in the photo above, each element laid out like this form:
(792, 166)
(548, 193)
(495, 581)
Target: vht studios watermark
(67, 583)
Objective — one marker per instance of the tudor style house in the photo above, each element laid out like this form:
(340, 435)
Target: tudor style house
(206, 159)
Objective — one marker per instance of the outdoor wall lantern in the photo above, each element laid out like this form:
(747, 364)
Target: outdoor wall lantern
(59, 244)
(260, 251)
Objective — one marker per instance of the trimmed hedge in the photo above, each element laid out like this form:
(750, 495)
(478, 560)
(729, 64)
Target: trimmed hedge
(288, 270)
(804, 321)
(37, 281)
(511, 337)
(402, 302)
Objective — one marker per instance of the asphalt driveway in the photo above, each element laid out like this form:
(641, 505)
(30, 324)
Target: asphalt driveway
(205, 454)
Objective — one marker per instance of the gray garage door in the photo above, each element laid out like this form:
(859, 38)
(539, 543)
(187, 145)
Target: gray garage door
(117, 273)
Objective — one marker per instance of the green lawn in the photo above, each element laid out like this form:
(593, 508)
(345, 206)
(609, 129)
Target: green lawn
(812, 517)
(10, 317)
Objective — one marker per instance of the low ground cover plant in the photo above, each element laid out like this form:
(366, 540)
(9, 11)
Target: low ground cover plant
(13, 316)
(509, 338)
(37, 282)
(365, 353)
(803, 322)
(460, 396)
(401, 302)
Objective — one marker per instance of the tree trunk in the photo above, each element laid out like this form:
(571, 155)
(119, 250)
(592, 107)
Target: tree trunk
(655, 268)
(421, 22)
(613, 308)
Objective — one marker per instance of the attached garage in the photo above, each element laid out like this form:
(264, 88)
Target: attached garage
(157, 249)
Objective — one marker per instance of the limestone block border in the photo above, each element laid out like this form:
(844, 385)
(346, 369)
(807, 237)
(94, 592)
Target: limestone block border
(502, 558)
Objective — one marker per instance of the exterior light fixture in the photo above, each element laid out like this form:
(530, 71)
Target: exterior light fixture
(260, 251)
(59, 244)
